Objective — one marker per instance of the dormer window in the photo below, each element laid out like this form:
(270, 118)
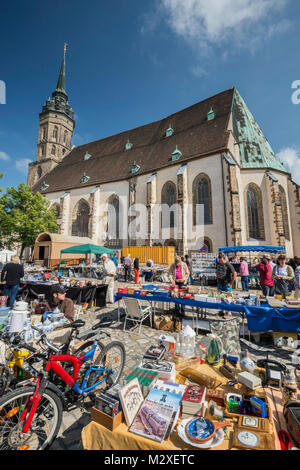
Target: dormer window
(210, 114)
(44, 186)
(87, 156)
(135, 168)
(176, 154)
(84, 178)
(129, 145)
(169, 132)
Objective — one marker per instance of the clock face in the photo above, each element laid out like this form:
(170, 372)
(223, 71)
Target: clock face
(247, 438)
(250, 421)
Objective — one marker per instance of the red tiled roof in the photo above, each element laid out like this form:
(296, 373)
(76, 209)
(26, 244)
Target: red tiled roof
(193, 134)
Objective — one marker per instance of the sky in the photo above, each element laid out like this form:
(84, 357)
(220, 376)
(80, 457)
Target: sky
(131, 62)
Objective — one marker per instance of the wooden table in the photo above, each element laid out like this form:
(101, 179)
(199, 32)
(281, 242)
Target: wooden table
(97, 437)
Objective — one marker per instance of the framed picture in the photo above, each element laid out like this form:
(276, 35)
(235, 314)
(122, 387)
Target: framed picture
(131, 398)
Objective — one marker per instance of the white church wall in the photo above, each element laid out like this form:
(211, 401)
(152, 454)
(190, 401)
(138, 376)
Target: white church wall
(211, 166)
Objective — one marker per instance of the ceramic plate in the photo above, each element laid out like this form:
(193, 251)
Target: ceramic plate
(214, 442)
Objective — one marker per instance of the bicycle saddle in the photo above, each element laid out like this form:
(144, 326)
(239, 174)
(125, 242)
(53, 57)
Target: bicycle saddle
(77, 324)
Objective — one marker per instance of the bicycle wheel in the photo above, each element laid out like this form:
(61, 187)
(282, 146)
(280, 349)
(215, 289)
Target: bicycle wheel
(44, 427)
(112, 357)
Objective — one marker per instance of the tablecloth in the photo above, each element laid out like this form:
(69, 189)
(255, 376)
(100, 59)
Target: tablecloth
(263, 318)
(97, 437)
(77, 294)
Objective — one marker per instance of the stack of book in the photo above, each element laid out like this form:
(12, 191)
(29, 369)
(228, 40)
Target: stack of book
(158, 415)
(146, 378)
(193, 399)
(107, 404)
(155, 353)
(166, 370)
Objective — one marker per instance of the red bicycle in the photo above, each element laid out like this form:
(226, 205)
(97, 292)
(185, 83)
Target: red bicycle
(31, 415)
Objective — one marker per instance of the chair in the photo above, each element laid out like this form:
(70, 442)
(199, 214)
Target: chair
(78, 310)
(135, 312)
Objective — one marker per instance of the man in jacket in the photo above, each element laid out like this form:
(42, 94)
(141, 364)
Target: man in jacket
(11, 277)
(226, 274)
(109, 271)
(59, 300)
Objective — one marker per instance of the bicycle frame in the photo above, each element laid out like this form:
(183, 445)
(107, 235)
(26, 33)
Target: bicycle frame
(77, 363)
(53, 363)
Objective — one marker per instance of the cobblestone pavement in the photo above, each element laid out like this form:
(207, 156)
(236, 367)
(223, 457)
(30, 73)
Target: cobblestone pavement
(69, 437)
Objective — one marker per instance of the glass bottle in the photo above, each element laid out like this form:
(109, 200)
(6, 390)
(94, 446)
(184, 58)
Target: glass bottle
(213, 353)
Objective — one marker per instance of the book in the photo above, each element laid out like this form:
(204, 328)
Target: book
(146, 378)
(107, 404)
(166, 370)
(131, 399)
(171, 394)
(153, 420)
(113, 392)
(193, 399)
(155, 352)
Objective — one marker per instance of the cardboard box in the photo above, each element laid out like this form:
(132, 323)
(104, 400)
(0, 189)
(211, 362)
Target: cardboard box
(106, 420)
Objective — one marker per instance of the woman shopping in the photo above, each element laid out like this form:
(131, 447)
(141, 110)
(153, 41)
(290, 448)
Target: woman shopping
(283, 276)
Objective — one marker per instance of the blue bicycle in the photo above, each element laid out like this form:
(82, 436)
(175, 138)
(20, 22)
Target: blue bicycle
(31, 415)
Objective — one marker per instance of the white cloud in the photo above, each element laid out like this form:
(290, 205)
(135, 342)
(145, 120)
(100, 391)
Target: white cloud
(4, 156)
(290, 157)
(224, 23)
(22, 165)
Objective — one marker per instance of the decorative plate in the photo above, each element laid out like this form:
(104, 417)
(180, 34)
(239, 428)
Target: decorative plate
(214, 442)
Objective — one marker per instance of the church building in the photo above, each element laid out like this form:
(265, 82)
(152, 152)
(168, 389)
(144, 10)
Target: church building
(212, 153)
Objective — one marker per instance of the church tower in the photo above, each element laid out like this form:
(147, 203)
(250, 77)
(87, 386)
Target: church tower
(55, 130)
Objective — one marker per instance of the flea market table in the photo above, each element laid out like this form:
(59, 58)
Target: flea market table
(97, 437)
(79, 295)
(260, 319)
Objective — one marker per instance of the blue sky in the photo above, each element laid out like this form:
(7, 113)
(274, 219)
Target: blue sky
(130, 62)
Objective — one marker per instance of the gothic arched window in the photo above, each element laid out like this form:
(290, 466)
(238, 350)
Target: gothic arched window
(255, 212)
(39, 172)
(284, 212)
(81, 219)
(55, 133)
(168, 199)
(202, 196)
(53, 150)
(113, 218)
(65, 137)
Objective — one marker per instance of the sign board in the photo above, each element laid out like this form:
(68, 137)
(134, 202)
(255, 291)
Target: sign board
(203, 263)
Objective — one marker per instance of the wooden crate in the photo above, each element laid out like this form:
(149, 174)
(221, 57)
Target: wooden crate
(105, 420)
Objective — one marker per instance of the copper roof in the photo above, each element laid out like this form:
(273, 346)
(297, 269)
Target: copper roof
(194, 136)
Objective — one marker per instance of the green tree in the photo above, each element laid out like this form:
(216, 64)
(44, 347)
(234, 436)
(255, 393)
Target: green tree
(23, 215)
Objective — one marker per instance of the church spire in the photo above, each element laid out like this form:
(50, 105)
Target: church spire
(61, 83)
(59, 102)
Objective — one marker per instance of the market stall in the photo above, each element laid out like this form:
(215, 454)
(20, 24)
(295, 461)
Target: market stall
(98, 436)
(86, 294)
(260, 318)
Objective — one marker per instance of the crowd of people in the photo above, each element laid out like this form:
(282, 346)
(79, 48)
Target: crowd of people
(276, 276)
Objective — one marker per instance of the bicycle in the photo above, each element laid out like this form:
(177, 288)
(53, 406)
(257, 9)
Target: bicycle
(12, 371)
(31, 415)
